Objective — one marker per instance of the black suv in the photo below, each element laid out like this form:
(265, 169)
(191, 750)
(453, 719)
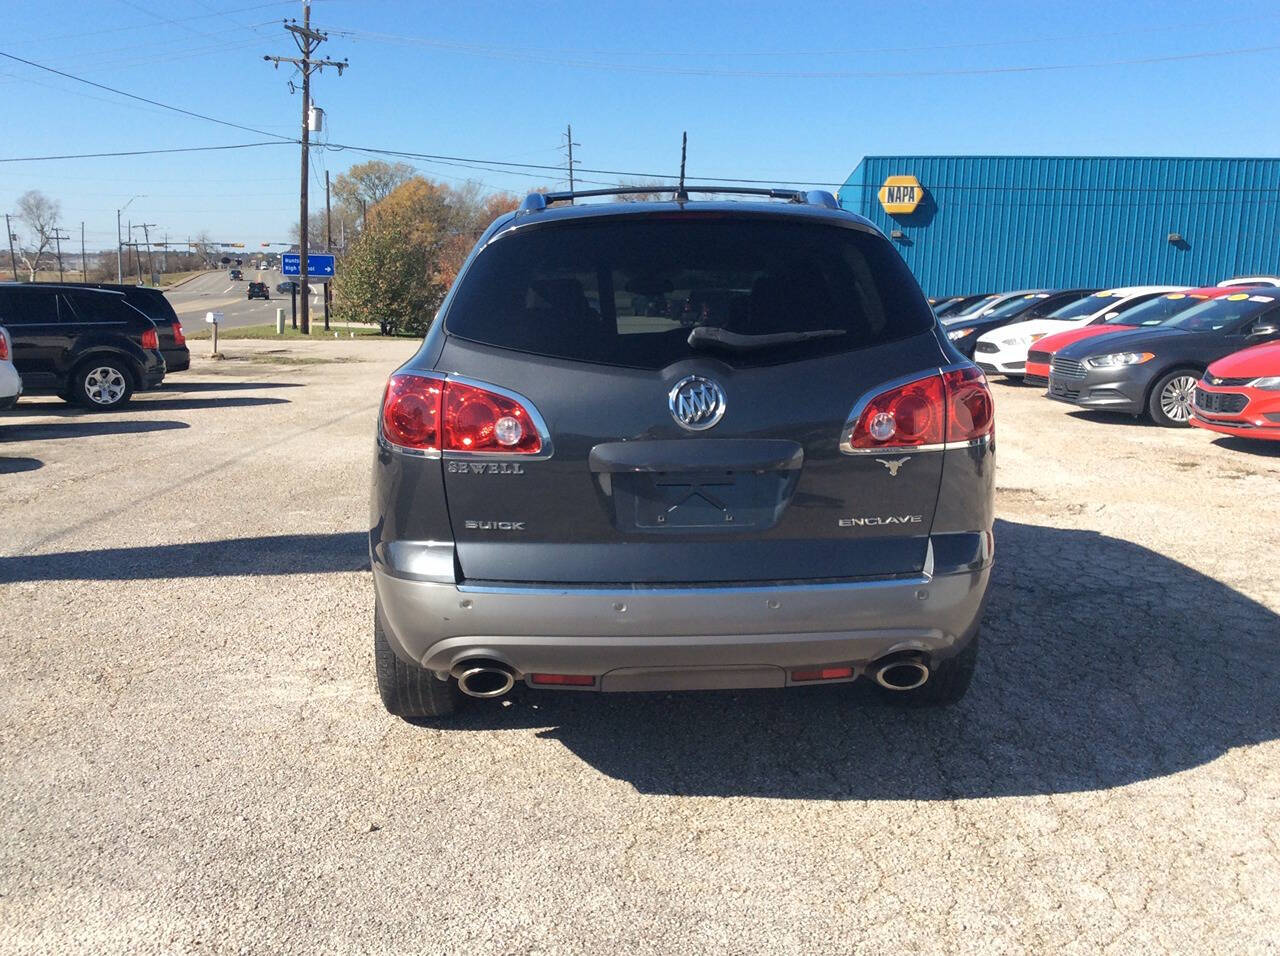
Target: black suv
(156, 306)
(259, 290)
(235, 274)
(87, 345)
(676, 446)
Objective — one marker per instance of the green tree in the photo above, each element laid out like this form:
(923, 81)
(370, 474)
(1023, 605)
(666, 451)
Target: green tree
(385, 280)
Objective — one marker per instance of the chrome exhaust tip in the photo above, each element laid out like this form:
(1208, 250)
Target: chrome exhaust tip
(902, 673)
(485, 679)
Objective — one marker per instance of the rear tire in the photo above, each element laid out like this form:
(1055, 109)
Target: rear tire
(1169, 404)
(407, 690)
(947, 684)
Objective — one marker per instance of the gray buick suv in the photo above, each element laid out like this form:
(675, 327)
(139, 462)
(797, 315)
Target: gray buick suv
(685, 445)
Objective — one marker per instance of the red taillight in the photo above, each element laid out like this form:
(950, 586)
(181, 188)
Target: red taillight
(150, 340)
(476, 419)
(429, 414)
(823, 673)
(970, 411)
(954, 406)
(178, 337)
(411, 412)
(572, 680)
(4, 346)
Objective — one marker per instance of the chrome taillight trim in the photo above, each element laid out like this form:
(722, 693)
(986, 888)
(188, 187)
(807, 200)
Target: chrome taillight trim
(860, 406)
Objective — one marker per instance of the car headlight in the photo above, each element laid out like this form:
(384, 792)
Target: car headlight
(1271, 383)
(959, 334)
(1116, 359)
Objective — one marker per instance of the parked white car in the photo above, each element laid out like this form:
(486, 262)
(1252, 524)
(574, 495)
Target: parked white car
(1003, 351)
(10, 380)
(1249, 280)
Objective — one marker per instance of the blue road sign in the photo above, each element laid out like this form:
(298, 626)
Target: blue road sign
(318, 266)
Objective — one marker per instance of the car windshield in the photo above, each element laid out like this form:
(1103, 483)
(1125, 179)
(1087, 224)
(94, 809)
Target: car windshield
(1083, 307)
(1015, 305)
(1218, 314)
(976, 307)
(1156, 311)
(631, 291)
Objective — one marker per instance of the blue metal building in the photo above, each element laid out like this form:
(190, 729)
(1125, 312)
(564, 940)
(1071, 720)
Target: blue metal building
(987, 223)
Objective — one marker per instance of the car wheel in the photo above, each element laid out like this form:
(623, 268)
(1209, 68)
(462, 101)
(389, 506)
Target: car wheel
(947, 684)
(1171, 398)
(407, 690)
(102, 384)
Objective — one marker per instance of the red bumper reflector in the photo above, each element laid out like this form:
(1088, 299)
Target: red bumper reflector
(575, 680)
(823, 673)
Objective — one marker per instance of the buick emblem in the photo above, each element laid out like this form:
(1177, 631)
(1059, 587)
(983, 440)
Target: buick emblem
(696, 403)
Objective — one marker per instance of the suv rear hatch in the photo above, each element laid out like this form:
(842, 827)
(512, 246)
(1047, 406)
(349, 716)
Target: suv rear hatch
(611, 329)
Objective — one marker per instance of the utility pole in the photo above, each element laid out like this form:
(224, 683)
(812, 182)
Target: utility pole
(84, 269)
(568, 141)
(308, 40)
(151, 262)
(119, 245)
(57, 238)
(13, 260)
(328, 243)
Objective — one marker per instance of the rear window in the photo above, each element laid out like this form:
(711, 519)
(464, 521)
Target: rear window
(632, 292)
(100, 307)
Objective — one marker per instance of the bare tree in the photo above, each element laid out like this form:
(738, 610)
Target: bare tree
(40, 215)
(366, 184)
(657, 191)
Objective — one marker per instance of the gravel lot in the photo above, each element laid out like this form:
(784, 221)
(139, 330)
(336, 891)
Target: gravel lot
(193, 756)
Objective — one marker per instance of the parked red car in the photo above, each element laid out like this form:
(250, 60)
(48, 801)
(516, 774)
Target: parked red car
(1146, 315)
(1240, 394)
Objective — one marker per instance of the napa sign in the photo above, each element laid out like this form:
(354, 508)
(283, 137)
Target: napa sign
(900, 195)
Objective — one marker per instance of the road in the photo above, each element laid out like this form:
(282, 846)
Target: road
(193, 758)
(214, 292)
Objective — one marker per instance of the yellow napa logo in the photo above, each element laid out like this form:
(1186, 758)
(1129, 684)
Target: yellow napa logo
(900, 195)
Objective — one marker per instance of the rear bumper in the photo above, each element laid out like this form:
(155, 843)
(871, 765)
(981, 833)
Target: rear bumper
(177, 359)
(683, 637)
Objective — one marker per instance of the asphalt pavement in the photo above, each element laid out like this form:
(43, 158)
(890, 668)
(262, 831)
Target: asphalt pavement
(216, 291)
(193, 757)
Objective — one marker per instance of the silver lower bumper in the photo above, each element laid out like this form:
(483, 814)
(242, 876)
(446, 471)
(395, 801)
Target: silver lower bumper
(679, 638)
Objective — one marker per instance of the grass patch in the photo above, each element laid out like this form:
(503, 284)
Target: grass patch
(269, 332)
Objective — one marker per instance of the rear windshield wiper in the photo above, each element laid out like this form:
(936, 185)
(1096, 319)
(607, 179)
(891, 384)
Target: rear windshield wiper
(708, 336)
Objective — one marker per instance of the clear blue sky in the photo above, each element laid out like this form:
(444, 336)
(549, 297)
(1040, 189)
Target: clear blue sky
(766, 91)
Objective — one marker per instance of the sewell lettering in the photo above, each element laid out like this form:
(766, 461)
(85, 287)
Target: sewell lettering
(484, 468)
(887, 519)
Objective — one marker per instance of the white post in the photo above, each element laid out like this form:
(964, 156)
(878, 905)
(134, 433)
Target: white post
(213, 318)
(279, 321)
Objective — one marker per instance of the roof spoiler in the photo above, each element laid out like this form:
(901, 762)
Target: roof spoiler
(536, 202)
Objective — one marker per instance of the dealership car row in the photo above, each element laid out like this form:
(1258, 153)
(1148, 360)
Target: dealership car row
(1207, 356)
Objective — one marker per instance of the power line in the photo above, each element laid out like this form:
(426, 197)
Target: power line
(144, 152)
(143, 99)
(221, 14)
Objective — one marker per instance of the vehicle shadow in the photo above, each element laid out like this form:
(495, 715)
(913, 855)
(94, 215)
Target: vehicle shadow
(271, 554)
(1110, 418)
(82, 427)
(146, 401)
(1266, 448)
(1103, 663)
(13, 466)
(173, 387)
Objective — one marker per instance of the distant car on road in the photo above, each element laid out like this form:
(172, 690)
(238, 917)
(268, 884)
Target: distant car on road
(10, 380)
(235, 274)
(287, 287)
(88, 346)
(258, 290)
(1240, 394)
(1155, 371)
(155, 305)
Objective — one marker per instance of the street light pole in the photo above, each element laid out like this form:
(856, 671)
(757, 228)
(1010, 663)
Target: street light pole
(119, 246)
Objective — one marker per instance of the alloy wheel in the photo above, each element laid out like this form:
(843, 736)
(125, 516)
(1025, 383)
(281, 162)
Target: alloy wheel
(104, 385)
(1175, 399)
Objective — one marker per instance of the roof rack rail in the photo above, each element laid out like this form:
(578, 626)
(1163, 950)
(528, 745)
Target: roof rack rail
(536, 202)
